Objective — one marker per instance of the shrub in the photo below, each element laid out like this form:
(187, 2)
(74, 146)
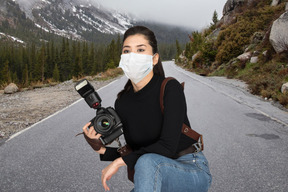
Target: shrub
(283, 99)
(235, 37)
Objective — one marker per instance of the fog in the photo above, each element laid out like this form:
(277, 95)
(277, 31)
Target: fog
(193, 14)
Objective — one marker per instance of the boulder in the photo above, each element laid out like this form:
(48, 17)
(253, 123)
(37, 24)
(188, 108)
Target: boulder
(245, 56)
(275, 2)
(257, 37)
(279, 36)
(230, 5)
(284, 88)
(214, 35)
(11, 88)
(254, 59)
(228, 10)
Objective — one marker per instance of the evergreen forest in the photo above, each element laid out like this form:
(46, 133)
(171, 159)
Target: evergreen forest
(60, 61)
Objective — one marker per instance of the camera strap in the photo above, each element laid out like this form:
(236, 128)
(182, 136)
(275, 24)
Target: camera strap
(199, 146)
(186, 130)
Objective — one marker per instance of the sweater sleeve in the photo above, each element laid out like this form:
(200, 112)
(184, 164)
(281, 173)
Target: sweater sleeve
(173, 118)
(110, 154)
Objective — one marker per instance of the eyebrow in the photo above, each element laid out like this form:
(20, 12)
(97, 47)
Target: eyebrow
(136, 46)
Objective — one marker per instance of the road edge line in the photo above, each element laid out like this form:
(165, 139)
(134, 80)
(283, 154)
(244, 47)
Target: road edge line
(57, 112)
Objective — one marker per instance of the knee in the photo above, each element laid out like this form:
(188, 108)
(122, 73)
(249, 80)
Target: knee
(146, 161)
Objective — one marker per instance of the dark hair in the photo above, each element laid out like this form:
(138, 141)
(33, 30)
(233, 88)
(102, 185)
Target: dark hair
(149, 35)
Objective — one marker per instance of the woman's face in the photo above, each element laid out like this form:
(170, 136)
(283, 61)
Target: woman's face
(138, 44)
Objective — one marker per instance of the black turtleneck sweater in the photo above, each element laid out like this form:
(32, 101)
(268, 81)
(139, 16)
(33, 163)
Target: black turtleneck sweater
(146, 129)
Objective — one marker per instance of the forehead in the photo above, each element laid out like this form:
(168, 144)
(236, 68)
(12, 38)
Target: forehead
(135, 40)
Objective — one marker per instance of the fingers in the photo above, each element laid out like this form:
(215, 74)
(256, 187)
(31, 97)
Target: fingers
(108, 172)
(91, 133)
(104, 179)
(85, 128)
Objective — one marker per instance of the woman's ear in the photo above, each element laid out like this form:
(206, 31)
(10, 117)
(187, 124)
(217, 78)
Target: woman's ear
(155, 58)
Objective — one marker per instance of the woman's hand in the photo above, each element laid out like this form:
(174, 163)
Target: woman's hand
(110, 170)
(91, 133)
(92, 139)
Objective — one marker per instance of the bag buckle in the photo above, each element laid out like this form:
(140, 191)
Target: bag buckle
(198, 147)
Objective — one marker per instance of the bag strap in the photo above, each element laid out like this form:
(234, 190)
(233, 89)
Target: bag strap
(186, 130)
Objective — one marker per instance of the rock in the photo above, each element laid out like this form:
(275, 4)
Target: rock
(245, 56)
(230, 5)
(11, 88)
(2, 134)
(275, 2)
(255, 53)
(257, 37)
(284, 88)
(214, 34)
(279, 36)
(229, 9)
(254, 59)
(196, 55)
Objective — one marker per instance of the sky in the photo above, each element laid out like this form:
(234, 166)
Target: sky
(193, 14)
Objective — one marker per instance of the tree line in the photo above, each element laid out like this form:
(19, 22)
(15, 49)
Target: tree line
(60, 61)
(54, 61)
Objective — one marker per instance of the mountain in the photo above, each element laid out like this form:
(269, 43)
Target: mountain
(249, 43)
(79, 20)
(14, 25)
(73, 18)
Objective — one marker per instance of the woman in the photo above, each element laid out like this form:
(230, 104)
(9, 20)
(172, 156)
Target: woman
(154, 137)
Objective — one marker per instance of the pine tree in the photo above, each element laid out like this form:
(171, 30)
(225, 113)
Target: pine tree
(24, 68)
(32, 62)
(112, 55)
(118, 50)
(85, 59)
(91, 59)
(25, 76)
(77, 67)
(214, 20)
(56, 75)
(42, 62)
(178, 50)
(65, 61)
(5, 73)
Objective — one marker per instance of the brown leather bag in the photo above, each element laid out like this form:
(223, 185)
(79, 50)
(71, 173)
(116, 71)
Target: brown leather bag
(185, 130)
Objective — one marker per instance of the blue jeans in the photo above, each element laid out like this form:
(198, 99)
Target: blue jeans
(155, 173)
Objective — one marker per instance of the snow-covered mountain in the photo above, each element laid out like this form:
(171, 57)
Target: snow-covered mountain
(72, 18)
(11, 38)
(36, 21)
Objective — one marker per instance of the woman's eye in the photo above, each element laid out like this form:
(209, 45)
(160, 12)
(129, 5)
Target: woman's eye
(125, 51)
(140, 50)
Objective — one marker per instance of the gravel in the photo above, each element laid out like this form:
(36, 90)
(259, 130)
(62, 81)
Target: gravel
(22, 109)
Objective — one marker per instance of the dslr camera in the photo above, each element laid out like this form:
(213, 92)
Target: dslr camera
(106, 122)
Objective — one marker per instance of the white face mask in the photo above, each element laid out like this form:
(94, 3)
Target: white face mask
(136, 66)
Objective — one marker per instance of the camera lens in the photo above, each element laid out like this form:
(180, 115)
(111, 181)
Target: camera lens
(105, 123)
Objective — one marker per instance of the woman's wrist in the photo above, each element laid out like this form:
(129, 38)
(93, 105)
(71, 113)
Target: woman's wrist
(119, 162)
(102, 150)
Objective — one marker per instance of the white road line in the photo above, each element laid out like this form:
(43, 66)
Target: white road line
(54, 114)
(230, 96)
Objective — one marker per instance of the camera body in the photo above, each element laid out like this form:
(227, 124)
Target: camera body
(106, 122)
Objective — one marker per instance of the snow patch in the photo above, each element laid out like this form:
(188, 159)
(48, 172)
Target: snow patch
(15, 39)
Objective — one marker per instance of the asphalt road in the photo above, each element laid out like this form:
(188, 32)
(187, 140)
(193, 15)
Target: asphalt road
(246, 143)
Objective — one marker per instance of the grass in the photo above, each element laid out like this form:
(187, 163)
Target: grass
(265, 77)
(103, 76)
